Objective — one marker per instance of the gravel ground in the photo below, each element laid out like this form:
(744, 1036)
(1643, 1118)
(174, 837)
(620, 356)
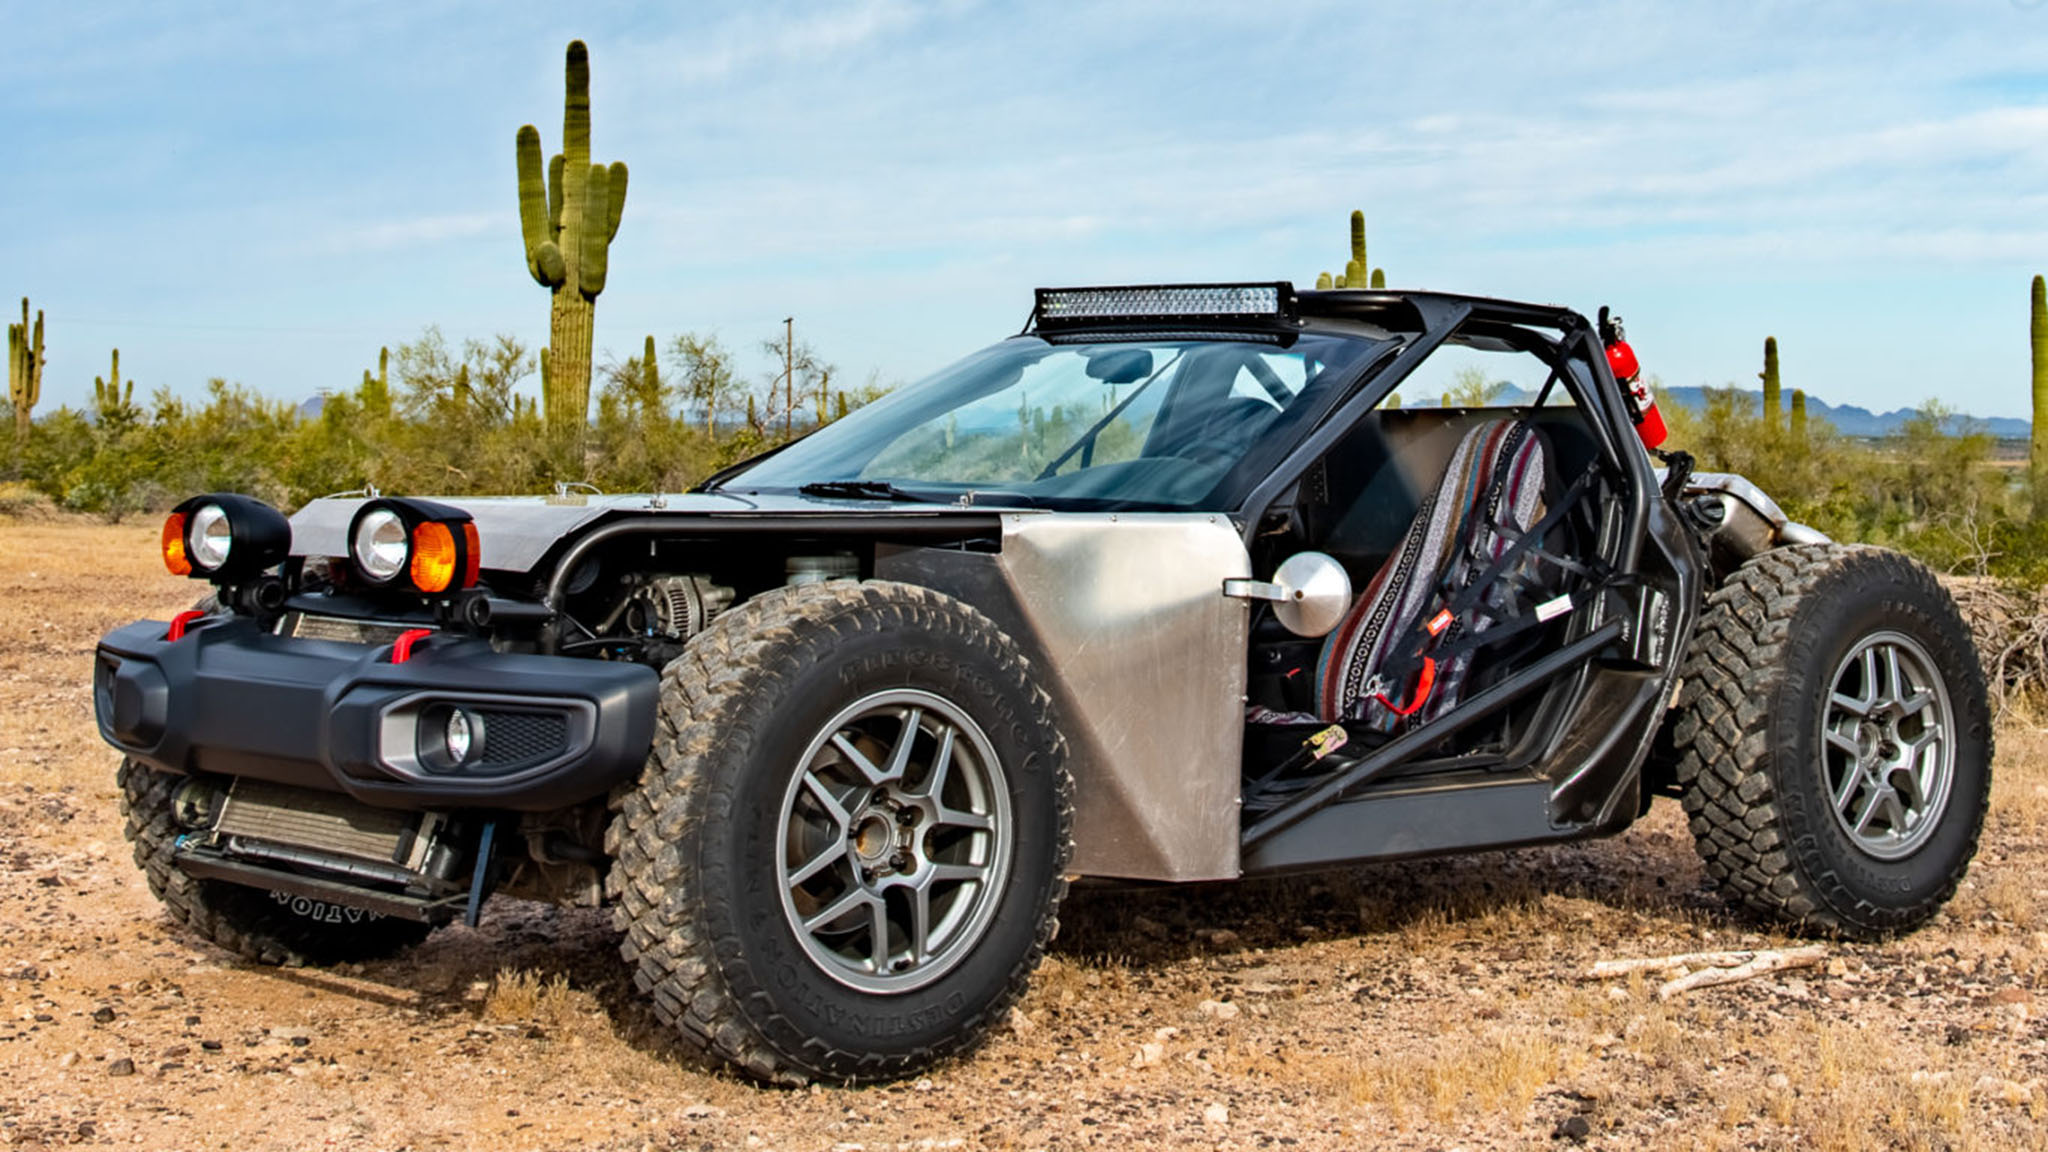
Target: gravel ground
(1432, 1005)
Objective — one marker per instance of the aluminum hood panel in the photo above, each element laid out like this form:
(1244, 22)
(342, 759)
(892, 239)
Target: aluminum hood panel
(517, 531)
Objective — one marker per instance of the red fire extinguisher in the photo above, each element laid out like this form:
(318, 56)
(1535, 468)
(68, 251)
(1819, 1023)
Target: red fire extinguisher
(1621, 360)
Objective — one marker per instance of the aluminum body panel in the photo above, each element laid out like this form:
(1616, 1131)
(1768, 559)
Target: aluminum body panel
(1124, 617)
(518, 532)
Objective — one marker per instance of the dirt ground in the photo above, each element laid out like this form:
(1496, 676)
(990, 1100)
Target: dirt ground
(1435, 1005)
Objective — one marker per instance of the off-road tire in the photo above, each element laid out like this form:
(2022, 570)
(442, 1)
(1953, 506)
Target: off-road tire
(268, 928)
(1749, 737)
(693, 842)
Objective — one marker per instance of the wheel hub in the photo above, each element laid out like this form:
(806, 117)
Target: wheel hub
(874, 839)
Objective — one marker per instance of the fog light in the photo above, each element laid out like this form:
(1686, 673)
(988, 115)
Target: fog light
(459, 735)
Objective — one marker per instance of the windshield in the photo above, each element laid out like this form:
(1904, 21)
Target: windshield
(1144, 423)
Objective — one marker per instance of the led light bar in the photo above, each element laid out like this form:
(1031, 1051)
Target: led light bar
(1179, 303)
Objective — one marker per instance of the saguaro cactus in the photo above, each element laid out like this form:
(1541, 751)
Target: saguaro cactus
(377, 389)
(1773, 398)
(2037, 459)
(108, 397)
(24, 368)
(1358, 271)
(1798, 416)
(567, 221)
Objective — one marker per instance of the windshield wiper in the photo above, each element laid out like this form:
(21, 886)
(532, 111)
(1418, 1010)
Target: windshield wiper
(863, 490)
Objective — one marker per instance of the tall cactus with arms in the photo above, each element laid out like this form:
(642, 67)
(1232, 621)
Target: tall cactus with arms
(24, 368)
(568, 220)
(1358, 271)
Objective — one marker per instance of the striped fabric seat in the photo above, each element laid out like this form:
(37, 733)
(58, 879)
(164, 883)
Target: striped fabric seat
(1376, 668)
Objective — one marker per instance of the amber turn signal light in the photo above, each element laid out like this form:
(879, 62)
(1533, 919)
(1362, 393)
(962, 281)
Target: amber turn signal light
(433, 557)
(174, 545)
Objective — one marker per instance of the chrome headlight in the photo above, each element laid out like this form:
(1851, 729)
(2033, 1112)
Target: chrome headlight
(381, 544)
(210, 536)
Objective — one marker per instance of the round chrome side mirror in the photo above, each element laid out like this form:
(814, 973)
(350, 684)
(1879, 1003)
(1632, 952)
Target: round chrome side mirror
(1310, 593)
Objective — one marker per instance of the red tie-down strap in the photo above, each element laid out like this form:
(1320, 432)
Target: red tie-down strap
(181, 621)
(401, 648)
(1423, 684)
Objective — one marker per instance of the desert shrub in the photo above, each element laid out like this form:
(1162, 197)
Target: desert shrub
(21, 502)
(1928, 490)
(449, 421)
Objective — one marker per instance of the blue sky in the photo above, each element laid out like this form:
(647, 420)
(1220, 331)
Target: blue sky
(268, 192)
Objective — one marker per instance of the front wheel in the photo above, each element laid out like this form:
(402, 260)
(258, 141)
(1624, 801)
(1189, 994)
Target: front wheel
(847, 851)
(1835, 740)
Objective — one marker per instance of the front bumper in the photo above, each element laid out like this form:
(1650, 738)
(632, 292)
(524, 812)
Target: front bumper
(234, 700)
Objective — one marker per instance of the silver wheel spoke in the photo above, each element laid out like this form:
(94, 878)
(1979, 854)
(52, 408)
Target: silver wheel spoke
(953, 818)
(942, 763)
(841, 818)
(1851, 705)
(816, 864)
(878, 949)
(899, 756)
(854, 898)
(1895, 680)
(956, 872)
(1845, 744)
(1870, 808)
(1923, 761)
(861, 763)
(1851, 776)
(920, 923)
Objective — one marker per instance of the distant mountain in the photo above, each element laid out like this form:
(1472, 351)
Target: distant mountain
(1851, 420)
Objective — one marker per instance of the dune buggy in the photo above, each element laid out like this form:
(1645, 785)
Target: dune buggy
(1184, 583)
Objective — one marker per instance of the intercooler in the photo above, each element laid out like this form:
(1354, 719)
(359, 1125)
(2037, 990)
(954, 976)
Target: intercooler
(327, 846)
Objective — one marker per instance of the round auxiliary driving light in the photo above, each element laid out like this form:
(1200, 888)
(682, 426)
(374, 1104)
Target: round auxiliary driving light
(210, 537)
(380, 545)
(224, 537)
(429, 546)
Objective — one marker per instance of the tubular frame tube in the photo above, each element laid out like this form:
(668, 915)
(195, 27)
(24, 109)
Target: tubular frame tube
(1396, 751)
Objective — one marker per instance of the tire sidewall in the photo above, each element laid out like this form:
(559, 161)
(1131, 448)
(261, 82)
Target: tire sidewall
(1853, 603)
(795, 1004)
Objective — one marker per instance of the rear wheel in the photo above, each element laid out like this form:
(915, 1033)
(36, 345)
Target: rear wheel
(267, 927)
(1834, 740)
(847, 851)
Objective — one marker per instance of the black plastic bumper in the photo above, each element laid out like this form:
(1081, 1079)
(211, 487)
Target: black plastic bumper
(229, 698)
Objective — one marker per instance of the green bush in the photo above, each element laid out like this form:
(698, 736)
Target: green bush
(1926, 490)
(442, 421)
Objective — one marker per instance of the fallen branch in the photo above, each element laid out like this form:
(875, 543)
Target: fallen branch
(1610, 969)
(1762, 965)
